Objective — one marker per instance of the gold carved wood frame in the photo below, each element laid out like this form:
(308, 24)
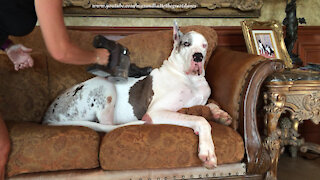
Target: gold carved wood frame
(272, 33)
(163, 8)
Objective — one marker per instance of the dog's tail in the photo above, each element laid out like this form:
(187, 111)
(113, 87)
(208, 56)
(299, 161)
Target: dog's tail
(95, 126)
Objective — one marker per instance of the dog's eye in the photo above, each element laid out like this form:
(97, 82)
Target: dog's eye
(186, 44)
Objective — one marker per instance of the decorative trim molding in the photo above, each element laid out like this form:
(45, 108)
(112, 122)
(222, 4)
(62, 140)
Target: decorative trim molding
(309, 52)
(163, 8)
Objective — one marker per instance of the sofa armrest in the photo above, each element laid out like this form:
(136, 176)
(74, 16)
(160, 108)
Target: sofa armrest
(235, 79)
(226, 74)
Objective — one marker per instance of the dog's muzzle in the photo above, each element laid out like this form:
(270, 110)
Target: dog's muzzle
(197, 57)
(196, 64)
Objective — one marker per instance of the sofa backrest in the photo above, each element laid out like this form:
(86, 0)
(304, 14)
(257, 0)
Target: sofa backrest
(25, 95)
(153, 47)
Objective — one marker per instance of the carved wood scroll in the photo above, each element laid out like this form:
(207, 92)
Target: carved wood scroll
(192, 8)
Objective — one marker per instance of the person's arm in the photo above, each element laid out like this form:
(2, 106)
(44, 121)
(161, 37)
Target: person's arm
(4, 147)
(50, 17)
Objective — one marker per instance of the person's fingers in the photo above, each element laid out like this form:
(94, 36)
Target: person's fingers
(102, 56)
(25, 65)
(30, 62)
(16, 67)
(25, 49)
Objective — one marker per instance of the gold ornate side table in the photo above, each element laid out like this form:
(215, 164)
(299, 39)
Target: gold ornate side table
(295, 93)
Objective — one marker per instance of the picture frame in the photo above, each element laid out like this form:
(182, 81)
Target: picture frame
(266, 39)
(162, 8)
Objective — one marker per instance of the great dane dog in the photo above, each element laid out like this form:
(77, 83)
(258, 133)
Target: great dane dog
(154, 99)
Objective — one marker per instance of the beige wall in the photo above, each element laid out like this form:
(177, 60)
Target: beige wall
(272, 9)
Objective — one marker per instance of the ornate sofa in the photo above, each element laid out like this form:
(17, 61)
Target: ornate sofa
(134, 152)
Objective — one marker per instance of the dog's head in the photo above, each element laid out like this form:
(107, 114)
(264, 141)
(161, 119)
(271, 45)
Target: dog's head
(190, 50)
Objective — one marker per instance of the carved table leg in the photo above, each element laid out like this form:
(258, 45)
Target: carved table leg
(294, 141)
(289, 135)
(274, 108)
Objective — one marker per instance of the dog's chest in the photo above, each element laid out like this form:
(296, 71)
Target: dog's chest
(179, 93)
(194, 93)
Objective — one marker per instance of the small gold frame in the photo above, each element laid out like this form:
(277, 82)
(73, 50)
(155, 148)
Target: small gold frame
(272, 34)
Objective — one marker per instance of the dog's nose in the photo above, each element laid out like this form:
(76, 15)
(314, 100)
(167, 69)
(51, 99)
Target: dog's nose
(197, 57)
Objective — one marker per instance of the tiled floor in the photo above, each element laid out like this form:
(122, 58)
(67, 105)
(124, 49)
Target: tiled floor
(298, 168)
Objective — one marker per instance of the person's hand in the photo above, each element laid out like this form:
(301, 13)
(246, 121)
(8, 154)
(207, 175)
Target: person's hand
(20, 57)
(102, 56)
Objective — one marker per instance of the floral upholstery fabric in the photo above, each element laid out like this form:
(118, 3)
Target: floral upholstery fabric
(151, 49)
(165, 146)
(24, 94)
(36, 148)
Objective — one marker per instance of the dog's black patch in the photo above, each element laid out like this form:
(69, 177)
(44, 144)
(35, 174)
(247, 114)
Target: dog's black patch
(54, 106)
(95, 99)
(77, 89)
(185, 41)
(140, 96)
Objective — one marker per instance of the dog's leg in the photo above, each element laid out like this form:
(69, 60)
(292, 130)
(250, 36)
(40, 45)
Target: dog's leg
(106, 116)
(200, 126)
(219, 115)
(95, 126)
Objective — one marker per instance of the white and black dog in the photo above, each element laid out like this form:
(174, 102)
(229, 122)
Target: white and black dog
(155, 99)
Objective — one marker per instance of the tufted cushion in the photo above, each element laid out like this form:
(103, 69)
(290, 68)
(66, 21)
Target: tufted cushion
(24, 93)
(165, 146)
(63, 76)
(37, 148)
(152, 48)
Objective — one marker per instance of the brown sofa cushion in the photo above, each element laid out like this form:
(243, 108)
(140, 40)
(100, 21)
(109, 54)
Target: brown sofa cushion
(152, 48)
(36, 148)
(24, 93)
(164, 146)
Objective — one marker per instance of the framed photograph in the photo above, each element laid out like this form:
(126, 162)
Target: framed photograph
(266, 39)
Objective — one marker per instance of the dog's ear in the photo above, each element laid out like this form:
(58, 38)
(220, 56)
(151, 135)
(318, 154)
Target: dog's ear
(177, 34)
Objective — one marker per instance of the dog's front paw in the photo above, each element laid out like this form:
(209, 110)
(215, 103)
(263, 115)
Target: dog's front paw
(207, 155)
(222, 117)
(219, 115)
